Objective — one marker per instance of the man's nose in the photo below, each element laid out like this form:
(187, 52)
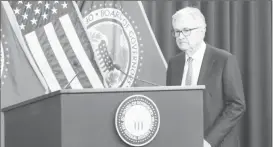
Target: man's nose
(181, 37)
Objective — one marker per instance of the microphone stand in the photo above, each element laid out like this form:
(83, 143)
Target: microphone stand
(71, 80)
(144, 81)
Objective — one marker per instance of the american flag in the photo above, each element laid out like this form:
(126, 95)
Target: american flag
(58, 42)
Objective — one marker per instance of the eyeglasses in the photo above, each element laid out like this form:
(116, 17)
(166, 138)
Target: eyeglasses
(185, 32)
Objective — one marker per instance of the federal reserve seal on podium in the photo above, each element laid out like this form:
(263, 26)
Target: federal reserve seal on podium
(137, 120)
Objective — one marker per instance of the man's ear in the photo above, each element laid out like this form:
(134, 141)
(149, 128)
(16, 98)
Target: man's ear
(203, 32)
(203, 29)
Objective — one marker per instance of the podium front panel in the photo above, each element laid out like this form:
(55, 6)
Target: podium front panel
(88, 119)
(37, 124)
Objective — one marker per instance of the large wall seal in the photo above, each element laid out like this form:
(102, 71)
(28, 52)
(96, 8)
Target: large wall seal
(114, 41)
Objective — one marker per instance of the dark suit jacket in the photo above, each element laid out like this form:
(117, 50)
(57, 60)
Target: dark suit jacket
(224, 100)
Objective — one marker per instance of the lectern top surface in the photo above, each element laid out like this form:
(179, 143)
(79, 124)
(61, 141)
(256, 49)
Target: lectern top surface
(156, 88)
(104, 90)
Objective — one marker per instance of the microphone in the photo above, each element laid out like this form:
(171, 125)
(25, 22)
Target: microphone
(74, 64)
(144, 81)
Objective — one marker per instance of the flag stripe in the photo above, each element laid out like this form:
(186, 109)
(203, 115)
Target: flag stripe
(51, 58)
(79, 51)
(61, 57)
(85, 38)
(71, 55)
(41, 60)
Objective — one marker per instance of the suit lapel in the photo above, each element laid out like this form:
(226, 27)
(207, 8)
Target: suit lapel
(206, 67)
(179, 71)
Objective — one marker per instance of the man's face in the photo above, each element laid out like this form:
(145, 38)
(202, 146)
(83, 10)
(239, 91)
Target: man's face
(188, 33)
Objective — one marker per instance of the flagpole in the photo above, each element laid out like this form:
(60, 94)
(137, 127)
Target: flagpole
(271, 73)
(17, 31)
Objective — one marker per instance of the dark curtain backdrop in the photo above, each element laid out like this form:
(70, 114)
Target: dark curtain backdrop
(244, 29)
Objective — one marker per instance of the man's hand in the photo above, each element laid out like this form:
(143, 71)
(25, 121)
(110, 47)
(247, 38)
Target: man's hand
(206, 144)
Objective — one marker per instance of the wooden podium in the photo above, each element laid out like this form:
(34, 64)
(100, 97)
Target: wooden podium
(86, 118)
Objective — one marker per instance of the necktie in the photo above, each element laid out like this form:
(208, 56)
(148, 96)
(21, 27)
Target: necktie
(189, 73)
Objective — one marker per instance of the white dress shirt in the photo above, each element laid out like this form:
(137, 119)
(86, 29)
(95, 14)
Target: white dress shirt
(196, 64)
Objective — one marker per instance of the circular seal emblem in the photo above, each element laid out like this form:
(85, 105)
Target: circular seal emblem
(114, 41)
(137, 120)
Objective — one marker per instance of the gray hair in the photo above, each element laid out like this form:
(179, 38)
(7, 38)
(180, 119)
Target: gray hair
(195, 13)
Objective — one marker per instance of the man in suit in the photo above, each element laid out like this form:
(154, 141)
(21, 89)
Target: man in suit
(202, 64)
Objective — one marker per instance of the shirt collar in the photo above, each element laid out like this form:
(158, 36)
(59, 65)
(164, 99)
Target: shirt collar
(199, 53)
